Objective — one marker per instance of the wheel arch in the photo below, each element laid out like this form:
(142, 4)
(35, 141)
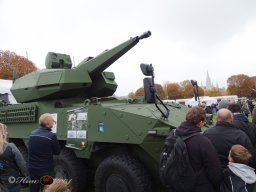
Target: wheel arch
(18, 142)
(119, 148)
(103, 150)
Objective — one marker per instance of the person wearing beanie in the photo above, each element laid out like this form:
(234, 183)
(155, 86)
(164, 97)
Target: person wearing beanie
(223, 104)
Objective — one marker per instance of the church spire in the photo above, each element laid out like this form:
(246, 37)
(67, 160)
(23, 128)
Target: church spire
(208, 81)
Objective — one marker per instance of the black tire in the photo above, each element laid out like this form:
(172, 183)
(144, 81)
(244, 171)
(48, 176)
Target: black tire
(121, 173)
(67, 166)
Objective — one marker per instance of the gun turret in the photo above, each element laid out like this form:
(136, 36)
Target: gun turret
(59, 80)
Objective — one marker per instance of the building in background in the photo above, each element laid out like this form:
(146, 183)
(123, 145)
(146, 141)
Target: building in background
(208, 82)
(5, 93)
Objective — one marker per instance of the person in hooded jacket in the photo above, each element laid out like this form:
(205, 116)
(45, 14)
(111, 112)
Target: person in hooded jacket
(239, 176)
(201, 152)
(241, 122)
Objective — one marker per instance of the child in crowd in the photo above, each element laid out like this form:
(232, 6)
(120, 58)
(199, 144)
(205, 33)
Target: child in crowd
(58, 185)
(239, 176)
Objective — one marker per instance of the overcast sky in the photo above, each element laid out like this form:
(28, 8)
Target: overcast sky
(189, 37)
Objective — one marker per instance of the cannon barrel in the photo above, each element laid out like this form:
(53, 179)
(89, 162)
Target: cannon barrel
(98, 64)
(145, 35)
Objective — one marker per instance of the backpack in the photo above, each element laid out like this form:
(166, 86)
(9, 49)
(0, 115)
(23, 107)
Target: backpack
(175, 170)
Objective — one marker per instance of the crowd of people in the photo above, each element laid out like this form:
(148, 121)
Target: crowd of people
(224, 155)
(231, 143)
(42, 145)
(247, 106)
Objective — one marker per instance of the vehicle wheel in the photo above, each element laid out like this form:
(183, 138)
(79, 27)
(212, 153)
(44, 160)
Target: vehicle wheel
(69, 167)
(121, 173)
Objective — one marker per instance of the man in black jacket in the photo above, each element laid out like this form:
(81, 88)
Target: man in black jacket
(224, 135)
(241, 122)
(43, 144)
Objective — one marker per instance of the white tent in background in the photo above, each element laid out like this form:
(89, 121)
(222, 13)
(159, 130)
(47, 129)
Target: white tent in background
(192, 102)
(5, 86)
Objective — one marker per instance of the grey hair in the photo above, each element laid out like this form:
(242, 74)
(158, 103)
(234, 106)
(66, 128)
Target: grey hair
(43, 119)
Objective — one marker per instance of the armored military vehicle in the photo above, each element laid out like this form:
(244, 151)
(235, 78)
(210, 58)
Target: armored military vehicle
(108, 145)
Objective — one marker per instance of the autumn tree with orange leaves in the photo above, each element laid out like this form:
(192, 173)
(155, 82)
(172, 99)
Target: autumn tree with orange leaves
(139, 92)
(187, 90)
(174, 91)
(215, 91)
(159, 91)
(254, 87)
(11, 62)
(240, 85)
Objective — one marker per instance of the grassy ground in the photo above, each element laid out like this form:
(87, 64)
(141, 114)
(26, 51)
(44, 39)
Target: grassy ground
(250, 117)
